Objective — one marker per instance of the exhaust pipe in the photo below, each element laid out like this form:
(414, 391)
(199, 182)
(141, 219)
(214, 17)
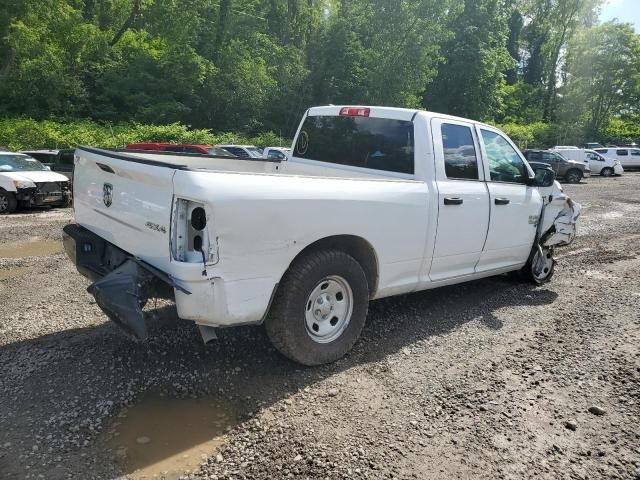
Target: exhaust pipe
(208, 334)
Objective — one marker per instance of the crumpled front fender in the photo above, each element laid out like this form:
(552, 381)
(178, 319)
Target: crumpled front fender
(559, 217)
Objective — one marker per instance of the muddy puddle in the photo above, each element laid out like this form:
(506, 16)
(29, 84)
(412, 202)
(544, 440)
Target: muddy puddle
(6, 273)
(35, 247)
(163, 438)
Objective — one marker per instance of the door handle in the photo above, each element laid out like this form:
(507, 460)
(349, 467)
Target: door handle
(502, 201)
(452, 201)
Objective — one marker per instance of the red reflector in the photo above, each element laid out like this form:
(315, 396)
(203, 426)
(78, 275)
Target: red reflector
(354, 112)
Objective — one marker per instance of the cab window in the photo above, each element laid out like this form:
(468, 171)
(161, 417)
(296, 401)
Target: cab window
(365, 142)
(460, 159)
(505, 165)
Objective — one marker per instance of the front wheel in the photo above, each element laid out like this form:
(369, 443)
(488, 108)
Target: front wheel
(540, 267)
(573, 176)
(320, 308)
(8, 202)
(607, 172)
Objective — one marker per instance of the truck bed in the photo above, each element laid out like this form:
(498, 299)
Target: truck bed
(237, 165)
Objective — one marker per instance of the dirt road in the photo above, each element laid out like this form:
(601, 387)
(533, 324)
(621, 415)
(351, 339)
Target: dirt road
(491, 379)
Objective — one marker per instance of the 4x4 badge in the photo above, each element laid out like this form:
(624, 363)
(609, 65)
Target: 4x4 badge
(107, 194)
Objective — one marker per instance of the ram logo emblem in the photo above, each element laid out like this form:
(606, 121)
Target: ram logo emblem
(107, 194)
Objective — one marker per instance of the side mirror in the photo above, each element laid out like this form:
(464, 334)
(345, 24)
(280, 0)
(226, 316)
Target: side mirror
(544, 177)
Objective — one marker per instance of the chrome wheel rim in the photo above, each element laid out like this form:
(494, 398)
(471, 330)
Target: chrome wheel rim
(542, 264)
(606, 172)
(328, 309)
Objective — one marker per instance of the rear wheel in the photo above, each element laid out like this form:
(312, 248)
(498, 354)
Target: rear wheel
(573, 176)
(606, 172)
(8, 202)
(320, 308)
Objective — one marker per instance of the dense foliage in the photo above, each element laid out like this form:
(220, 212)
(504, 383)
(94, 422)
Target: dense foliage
(545, 69)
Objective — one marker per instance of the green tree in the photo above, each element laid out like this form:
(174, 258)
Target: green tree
(603, 72)
(470, 81)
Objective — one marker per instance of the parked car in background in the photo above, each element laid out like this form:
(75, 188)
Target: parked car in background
(628, 157)
(592, 145)
(26, 182)
(57, 160)
(244, 151)
(181, 148)
(569, 170)
(598, 164)
(409, 200)
(276, 153)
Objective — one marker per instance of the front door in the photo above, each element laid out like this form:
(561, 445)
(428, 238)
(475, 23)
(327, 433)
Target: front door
(463, 200)
(515, 207)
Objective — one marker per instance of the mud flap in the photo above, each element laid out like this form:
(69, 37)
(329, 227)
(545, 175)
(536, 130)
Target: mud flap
(122, 294)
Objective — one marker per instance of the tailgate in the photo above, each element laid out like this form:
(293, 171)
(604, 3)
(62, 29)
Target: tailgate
(126, 200)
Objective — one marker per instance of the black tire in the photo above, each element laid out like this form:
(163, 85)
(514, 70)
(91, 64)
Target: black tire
(8, 202)
(528, 274)
(286, 324)
(606, 172)
(573, 176)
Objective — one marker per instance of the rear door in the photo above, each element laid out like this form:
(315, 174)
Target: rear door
(515, 207)
(622, 154)
(463, 200)
(634, 159)
(596, 162)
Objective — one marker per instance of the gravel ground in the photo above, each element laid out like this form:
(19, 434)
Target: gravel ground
(491, 379)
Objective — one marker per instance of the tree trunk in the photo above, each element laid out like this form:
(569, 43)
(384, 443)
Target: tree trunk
(135, 11)
(223, 21)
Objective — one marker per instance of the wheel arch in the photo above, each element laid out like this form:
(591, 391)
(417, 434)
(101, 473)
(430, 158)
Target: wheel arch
(359, 248)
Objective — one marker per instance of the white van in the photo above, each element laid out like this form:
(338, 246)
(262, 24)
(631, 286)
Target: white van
(628, 157)
(599, 164)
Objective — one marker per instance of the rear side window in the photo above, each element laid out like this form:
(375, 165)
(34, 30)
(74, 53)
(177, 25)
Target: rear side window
(622, 153)
(43, 157)
(534, 156)
(174, 149)
(505, 164)
(602, 150)
(192, 150)
(460, 158)
(66, 158)
(376, 143)
(238, 152)
(635, 153)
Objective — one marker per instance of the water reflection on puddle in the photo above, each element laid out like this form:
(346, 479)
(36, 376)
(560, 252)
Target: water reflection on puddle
(164, 437)
(35, 247)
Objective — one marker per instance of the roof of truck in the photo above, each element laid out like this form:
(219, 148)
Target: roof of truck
(389, 112)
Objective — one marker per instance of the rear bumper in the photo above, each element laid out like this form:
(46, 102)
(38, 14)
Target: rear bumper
(121, 282)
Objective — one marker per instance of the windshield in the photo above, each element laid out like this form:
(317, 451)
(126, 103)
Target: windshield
(220, 152)
(19, 163)
(254, 151)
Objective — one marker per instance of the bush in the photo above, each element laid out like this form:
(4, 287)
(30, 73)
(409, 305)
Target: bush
(25, 133)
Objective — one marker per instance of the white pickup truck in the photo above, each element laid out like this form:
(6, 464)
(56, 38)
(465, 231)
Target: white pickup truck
(373, 202)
